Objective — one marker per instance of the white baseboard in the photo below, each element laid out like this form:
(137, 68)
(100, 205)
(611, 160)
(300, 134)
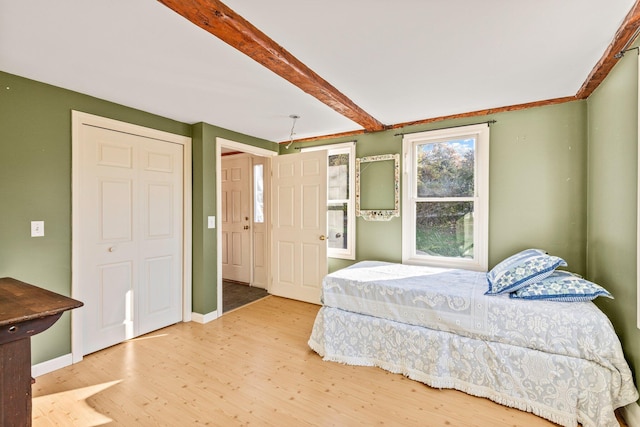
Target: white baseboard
(51, 365)
(631, 414)
(204, 318)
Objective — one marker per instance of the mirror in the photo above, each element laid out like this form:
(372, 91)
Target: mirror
(381, 201)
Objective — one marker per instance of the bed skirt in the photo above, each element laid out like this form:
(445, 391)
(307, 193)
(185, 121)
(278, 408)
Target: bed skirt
(565, 390)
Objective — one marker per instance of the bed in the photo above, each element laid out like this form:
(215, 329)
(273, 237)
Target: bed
(559, 360)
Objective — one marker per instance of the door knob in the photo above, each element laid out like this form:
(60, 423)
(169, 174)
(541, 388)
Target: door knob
(323, 237)
(246, 227)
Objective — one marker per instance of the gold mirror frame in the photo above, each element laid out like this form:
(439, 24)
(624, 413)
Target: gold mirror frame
(379, 214)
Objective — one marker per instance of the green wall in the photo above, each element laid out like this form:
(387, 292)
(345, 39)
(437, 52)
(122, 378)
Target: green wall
(537, 185)
(204, 204)
(35, 184)
(612, 199)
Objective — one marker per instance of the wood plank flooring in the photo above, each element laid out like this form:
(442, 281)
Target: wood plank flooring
(251, 367)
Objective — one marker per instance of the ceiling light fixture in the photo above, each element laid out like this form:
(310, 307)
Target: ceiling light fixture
(294, 117)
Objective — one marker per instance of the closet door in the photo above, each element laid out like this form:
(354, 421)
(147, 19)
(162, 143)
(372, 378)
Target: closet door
(130, 235)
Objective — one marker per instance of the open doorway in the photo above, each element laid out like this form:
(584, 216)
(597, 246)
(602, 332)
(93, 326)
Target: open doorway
(244, 230)
(242, 211)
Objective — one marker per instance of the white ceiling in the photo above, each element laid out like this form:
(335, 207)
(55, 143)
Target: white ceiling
(400, 61)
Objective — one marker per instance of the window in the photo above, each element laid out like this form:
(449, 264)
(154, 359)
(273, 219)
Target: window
(340, 199)
(258, 193)
(445, 199)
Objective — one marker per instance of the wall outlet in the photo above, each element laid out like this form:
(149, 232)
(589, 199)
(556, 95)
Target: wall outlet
(37, 228)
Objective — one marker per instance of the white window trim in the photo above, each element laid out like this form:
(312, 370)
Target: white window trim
(481, 198)
(350, 252)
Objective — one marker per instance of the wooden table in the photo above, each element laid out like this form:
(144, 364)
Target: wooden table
(25, 310)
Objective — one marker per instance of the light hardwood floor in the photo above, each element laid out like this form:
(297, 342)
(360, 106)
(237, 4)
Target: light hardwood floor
(250, 367)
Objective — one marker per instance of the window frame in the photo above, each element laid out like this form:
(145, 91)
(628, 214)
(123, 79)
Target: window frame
(480, 198)
(350, 148)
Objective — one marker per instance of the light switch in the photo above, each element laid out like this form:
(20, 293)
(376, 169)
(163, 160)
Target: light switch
(37, 228)
(211, 221)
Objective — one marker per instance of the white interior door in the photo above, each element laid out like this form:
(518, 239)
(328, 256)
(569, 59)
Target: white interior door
(299, 251)
(159, 296)
(236, 221)
(129, 239)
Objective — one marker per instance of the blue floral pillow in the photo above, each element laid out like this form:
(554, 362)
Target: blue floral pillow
(562, 286)
(521, 269)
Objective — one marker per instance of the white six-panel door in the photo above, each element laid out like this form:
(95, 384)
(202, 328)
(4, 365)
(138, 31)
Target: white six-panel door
(299, 250)
(130, 235)
(236, 218)
(160, 250)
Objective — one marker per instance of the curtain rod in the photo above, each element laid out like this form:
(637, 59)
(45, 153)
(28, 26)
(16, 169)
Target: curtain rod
(328, 145)
(622, 52)
(488, 122)
(626, 45)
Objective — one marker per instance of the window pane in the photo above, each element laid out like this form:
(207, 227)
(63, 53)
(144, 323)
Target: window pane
(444, 229)
(338, 177)
(258, 193)
(445, 169)
(337, 225)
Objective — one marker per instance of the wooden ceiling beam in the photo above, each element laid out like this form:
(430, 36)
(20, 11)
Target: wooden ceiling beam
(219, 20)
(623, 37)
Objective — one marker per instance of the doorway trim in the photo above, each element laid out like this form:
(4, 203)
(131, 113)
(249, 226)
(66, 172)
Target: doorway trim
(78, 119)
(245, 148)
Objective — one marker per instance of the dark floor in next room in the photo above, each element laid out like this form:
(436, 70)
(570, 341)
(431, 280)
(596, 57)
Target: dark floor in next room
(237, 294)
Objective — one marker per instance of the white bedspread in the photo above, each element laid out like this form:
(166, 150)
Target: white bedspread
(562, 361)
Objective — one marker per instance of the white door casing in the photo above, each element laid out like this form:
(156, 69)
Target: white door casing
(299, 218)
(131, 231)
(236, 218)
